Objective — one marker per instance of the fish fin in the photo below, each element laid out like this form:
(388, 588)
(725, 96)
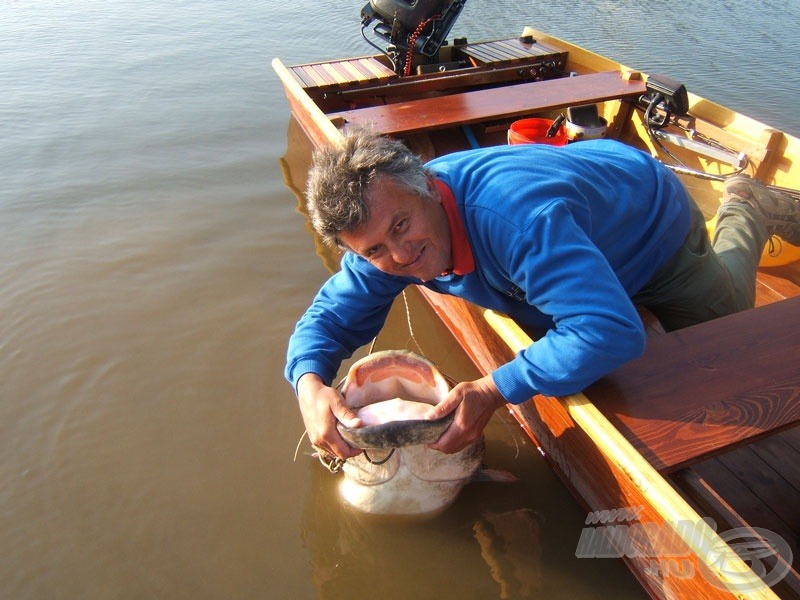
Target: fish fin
(484, 475)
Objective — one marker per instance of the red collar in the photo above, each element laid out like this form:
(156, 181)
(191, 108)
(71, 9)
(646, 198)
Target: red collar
(463, 261)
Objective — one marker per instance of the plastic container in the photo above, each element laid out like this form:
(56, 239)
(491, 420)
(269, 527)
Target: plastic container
(577, 133)
(534, 131)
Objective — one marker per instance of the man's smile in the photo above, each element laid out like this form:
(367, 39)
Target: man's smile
(406, 234)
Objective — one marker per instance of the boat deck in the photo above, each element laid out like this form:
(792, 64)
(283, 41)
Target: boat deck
(737, 380)
(716, 409)
(754, 486)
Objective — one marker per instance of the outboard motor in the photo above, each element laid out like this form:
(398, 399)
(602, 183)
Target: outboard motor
(410, 27)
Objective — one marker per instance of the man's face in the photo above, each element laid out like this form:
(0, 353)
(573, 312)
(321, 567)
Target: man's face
(405, 235)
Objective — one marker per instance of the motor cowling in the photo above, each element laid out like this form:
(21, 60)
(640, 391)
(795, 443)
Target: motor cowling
(408, 14)
(418, 26)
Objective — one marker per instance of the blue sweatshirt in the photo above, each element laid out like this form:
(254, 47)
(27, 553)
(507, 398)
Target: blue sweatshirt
(561, 238)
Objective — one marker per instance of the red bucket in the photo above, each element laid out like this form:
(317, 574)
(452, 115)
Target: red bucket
(534, 131)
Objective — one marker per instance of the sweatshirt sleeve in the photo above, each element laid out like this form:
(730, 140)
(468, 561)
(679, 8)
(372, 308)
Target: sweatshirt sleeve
(564, 275)
(346, 313)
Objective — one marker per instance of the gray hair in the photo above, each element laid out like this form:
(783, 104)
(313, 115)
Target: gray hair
(341, 175)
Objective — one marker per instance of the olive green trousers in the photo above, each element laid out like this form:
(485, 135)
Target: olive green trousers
(707, 278)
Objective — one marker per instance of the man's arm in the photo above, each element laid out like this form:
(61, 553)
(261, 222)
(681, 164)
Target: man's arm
(565, 276)
(348, 312)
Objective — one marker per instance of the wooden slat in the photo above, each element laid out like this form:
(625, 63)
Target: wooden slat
(513, 50)
(341, 73)
(311, 73)
(302, 76)
(378, 70)
(781, 282)
(707, 388)
(792, 437)
(498, 51)
(727, 485)
(323, 73)
(316, 125)
(713, 504)
(497, 103)
(332, 70)
(766, 483)
(352, 71)
(781, 456)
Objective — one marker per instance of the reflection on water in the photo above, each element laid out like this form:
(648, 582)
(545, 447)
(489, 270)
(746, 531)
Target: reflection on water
(478, 550)
(500, 540)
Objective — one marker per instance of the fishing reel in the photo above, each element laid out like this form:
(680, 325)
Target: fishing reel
(410, 27)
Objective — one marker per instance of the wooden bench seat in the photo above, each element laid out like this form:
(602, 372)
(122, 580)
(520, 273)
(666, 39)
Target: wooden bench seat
(705, 389)
(341, 73)
(512, 50)
(494, 103)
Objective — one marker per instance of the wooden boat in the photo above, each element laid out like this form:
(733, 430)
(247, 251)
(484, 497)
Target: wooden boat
(704, 425)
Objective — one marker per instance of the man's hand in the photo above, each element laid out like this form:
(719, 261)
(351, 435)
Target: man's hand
(321, 406)
(474, 403)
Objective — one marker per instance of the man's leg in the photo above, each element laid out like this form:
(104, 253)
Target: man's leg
(739, 240)
(707, 279)
(694, 286)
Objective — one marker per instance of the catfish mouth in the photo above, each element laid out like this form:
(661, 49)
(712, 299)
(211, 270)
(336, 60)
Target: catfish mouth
(396, 434)
(398, 387)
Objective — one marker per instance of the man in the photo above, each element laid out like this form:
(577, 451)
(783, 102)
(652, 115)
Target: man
(567, 239)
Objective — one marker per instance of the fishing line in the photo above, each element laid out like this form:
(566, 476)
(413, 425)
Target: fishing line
(408, 322)
(297, 448)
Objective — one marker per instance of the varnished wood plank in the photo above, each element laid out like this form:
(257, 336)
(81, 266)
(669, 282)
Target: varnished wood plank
(707, 388)
(311, 73)
(766, 483)
(514, 49)
(499, 53)
(332, 70)
(766, 294)
(341, 73)
(352, 71)
(377, 70)
(711, 503)
(323, 74)
(481, 52)
(509, 50)
(781, 456)
(792, 437)
(593, 474)
(745, 502)
(367, 69)
(782, 281)
(316, 125)
(305, 80)
(496, 103)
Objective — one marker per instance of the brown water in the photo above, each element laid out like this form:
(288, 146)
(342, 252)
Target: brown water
(152, 268)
